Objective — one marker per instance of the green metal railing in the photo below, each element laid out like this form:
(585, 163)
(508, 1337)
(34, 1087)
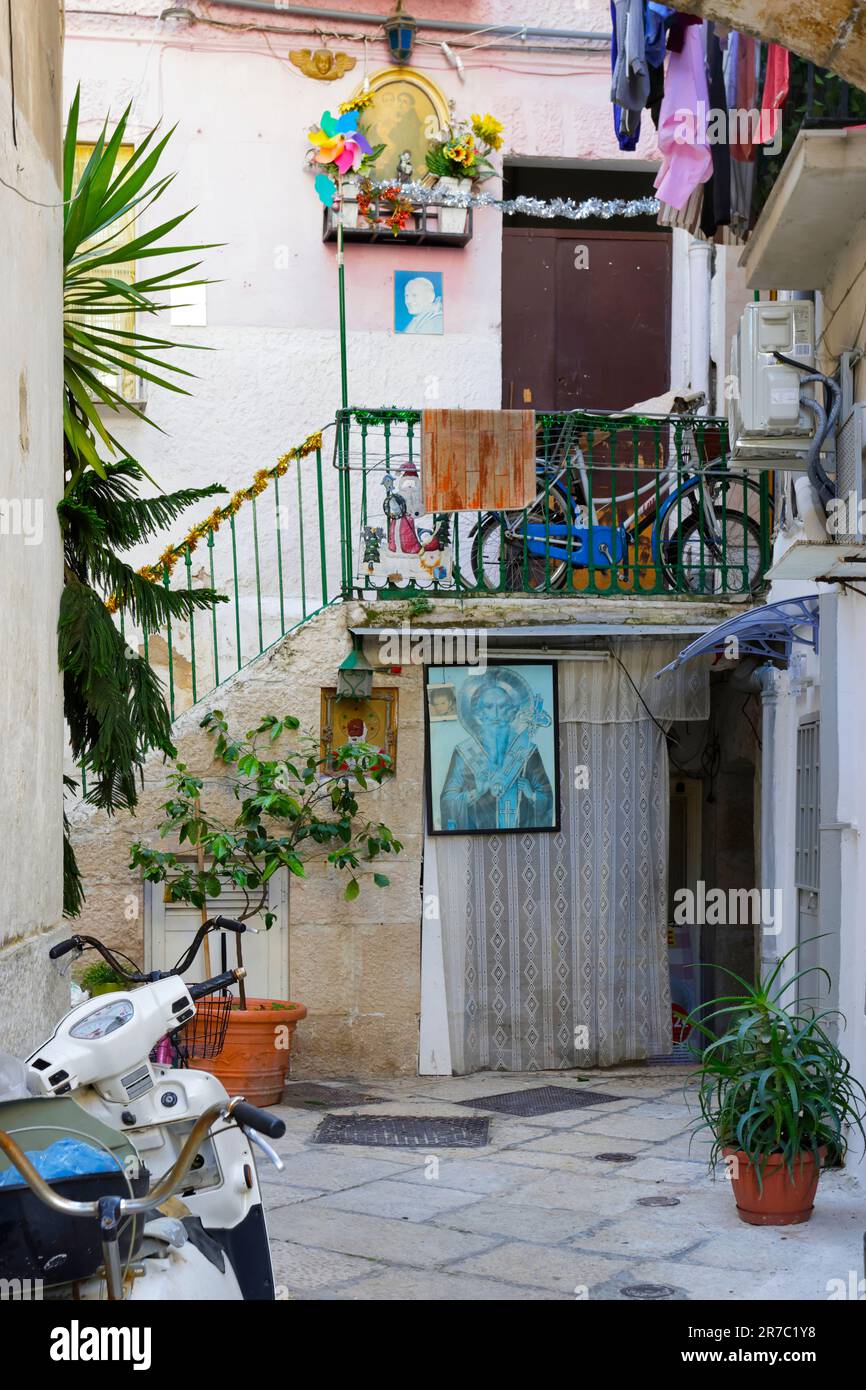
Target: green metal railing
(272, 561)
(624, 504)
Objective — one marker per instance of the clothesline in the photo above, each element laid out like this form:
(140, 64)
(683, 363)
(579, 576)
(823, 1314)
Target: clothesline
(682, 70)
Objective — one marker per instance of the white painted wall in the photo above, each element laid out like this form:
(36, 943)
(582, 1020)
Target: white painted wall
(31, 472)
(242, 111)
(798, 699)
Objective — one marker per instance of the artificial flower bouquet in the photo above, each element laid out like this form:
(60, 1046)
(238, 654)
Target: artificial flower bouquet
(461, 150)
(386, 206)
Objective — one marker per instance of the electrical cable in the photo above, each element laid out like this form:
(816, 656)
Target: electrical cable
(750, 722)
(661, 728)
(819, 479)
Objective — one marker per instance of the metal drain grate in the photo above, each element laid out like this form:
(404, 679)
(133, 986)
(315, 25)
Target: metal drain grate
(539, 1100)
(404, 1131)
(309, 1093)
(658, 1201)
(653, 1291)
(615, 1158)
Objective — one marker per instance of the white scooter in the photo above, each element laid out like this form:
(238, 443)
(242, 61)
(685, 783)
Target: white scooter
(94, 1080)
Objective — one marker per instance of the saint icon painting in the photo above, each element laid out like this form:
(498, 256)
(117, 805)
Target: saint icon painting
(493, 767)
(418, 301)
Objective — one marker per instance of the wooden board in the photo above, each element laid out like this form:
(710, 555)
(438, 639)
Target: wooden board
(477, 460)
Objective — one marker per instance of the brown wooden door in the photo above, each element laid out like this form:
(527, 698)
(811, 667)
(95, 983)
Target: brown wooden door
(585, 318)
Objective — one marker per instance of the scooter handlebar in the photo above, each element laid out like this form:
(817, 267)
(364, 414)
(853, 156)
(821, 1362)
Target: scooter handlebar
(224, 981)
(252, 1117)
(63, 947)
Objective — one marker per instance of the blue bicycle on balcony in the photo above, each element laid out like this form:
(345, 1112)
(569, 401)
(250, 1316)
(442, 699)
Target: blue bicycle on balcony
(685, 525)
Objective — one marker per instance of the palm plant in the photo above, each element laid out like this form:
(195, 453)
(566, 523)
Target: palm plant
(774, 1085)
(113, 702)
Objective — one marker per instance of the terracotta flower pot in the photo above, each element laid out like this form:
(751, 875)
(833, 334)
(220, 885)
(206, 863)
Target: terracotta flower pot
(255, 1058)
(782, 1199)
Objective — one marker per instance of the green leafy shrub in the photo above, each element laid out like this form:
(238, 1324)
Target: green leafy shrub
(292, 809)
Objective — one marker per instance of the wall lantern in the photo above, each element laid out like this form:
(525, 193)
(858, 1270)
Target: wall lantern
(355, 674)
(400, 32)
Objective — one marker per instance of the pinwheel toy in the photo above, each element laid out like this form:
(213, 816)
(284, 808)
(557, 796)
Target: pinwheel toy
(338, 145)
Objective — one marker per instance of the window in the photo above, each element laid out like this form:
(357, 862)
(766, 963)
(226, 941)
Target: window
(806, 839)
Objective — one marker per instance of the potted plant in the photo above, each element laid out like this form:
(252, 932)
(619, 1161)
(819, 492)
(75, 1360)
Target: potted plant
(776, 1094)
(294, 807)
(459, 157)
(99, 978)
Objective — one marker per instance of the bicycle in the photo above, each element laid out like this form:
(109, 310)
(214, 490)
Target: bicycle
(699, 543)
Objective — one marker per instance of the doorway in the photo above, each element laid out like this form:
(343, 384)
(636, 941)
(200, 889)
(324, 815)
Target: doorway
(684, 939)
(586, 306)
(169, 927)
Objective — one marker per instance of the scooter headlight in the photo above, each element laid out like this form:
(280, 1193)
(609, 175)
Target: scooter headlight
(103, 1021)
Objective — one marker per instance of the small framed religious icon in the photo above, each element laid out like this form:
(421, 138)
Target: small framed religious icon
(345, 722)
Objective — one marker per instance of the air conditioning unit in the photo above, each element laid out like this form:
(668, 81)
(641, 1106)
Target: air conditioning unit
(846, 514)
(767, 424)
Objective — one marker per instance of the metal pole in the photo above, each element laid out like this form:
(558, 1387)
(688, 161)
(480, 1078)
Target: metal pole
(341, 291)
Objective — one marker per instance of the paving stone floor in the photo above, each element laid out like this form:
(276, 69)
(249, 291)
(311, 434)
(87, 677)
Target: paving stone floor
(535, 1214)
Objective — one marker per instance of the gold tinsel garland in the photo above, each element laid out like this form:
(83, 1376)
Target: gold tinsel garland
(164, 566)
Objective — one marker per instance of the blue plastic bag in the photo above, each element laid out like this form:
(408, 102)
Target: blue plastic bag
(65, 1158)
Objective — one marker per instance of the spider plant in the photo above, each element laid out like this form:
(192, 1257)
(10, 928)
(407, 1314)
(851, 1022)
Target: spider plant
(774, 1084)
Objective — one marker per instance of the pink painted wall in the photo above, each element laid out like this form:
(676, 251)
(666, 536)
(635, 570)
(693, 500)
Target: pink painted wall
(242, 112)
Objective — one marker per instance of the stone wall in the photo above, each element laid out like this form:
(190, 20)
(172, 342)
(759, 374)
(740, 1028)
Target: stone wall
(356, 965)
(32, 995)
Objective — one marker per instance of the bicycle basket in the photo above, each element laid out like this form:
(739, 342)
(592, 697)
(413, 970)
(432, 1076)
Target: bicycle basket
(204, 1036)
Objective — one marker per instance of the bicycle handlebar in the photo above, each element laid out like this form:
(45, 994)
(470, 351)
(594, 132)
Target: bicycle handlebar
(137, 977)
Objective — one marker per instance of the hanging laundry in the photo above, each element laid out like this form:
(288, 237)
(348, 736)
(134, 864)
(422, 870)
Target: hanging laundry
(746, 98)
(776, 83)
(742, 173)
(716, 210)
(731, 54)
(630, 82)
(655, 21)
(688, 217)
(679, 26)
(686, 159)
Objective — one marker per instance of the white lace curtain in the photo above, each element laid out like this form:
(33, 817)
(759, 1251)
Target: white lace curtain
(624, 686)
(555, 943)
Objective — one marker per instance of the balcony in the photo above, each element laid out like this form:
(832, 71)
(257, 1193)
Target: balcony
(811, 213)
(818, 101)
(625, 505)
(425, 225)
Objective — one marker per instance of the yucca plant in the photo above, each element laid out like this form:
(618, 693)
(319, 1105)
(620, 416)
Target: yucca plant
(101, 208)
(774, 1085)
(113, 702)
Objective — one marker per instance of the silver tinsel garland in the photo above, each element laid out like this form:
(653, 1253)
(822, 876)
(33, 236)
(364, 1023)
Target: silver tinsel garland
(528, 207)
